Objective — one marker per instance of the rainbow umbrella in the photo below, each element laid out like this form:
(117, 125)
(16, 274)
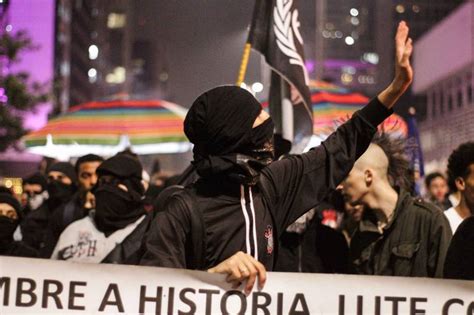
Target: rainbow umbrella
(105, 128)
(333, 104)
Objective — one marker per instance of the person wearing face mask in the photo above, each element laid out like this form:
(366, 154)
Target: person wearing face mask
(79, 204)
(34, 192)
(10, 216)
(62, 184)
(114, 231)
(230, 220)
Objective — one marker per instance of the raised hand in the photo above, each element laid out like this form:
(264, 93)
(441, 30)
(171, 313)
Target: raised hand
(403, 69)
(403, 51)
(240, 267)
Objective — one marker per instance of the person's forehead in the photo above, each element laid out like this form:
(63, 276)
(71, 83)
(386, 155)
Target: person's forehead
(261, 118)
(6, 207)
(28, 186)
(56, 174)
(89, 166)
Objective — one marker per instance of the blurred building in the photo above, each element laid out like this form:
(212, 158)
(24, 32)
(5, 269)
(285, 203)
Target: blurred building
(107, 49)
(444, 67)
(355, 38)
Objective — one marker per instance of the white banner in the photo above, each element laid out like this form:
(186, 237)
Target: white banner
(36, 286)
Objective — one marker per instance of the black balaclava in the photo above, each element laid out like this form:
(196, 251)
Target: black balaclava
(7, 225)
(60, 193)
(219, 124)
(34, 202)
(116, 208)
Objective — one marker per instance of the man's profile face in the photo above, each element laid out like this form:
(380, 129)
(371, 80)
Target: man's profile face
(87, 175)
(353, 188)
(438, 188)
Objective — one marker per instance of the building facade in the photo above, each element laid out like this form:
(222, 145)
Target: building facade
(444, 68)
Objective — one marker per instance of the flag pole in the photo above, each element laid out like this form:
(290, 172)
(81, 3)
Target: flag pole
(244, 64)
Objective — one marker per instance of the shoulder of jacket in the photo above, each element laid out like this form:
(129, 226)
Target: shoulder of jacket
(425, 205)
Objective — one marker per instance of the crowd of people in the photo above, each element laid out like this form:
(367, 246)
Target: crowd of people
(241, 211)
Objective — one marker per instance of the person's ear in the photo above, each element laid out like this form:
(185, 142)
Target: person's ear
(460, 183)
(368, 177)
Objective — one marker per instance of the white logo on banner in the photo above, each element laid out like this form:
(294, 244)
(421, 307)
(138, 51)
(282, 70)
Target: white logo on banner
(285, 24)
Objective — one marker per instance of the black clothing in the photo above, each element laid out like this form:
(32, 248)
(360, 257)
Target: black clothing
(124, 170)
(251, 218)
(319, 249)
(35, 226)
(66, 168)
(36, 179)
(59, 193)
(18, 249)
(459, 262)
(413, 244)
(220, 122)
(60, 218)
(115, 208)
(132, 248)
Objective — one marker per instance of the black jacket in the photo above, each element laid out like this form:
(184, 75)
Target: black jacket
(413, 244)
(64, 215)
(319, 249)
(250, 219)
(132, 248)
(460, 258)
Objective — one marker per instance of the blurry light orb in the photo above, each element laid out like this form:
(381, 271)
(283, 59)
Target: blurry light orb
(355, 21)
(257, 87)
(346, 78)
(400, 8)
(92, 73)
(9, 28)
(416, 8)
(8, 183)
(354, 12)
(243, 85)
(349, 40)
(93, 52)
(338, 34)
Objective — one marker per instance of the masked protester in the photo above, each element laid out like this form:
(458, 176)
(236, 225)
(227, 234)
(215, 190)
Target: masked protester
(34, 192)
(78, 206)
(10, 215)
(113, 233)
(62, 184)
(230, 220)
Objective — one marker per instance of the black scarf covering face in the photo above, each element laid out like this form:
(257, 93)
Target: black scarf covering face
(219, 124)
(115, 208)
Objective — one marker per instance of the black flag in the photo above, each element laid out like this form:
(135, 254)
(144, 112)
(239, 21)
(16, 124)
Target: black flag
(275, 33)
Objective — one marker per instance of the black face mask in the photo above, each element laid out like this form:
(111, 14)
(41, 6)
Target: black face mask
(7, 228)
(59, 193)
(115, 208)
(263, 149)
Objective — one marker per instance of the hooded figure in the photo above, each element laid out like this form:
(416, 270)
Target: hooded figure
(34, 192)
(10, 217)
(220, 125)
(119, 193)
(116, 229)
(62, 184)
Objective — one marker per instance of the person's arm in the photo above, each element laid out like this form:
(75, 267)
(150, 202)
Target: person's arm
(166, 240)
(293, 186)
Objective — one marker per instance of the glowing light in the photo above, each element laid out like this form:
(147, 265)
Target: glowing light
(349, 40)
(400, 8)
(354, 12)
(9, 28)
(257, 87)
(93, 52)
